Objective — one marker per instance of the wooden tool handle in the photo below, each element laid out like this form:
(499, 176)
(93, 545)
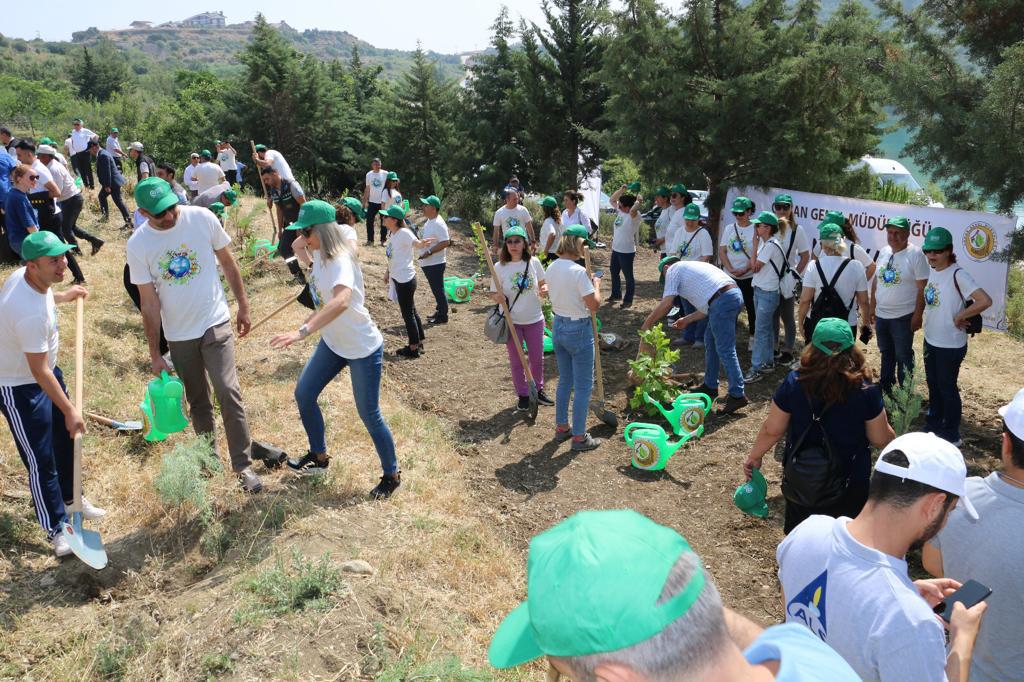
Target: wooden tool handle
(76, 503)
(263, 183)
(598, 372)
(106, 421)
(277, 310)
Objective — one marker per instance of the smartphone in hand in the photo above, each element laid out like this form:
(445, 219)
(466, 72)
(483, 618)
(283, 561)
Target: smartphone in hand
(969, 594)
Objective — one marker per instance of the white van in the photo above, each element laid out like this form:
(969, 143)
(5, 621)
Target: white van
(887, 170)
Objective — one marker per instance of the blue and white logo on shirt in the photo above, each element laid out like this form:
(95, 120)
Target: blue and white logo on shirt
(808, 606)
(931, 295)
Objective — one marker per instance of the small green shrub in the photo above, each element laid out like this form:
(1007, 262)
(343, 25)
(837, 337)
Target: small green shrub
(183, 481)
(1015, 301)
(653, 370)
(448, 669)
(904, 405)
(112, 659)
(216, 665)
(302, 584)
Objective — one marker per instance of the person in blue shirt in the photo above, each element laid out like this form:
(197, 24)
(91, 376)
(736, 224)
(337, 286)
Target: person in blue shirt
(20, 218)
(7, 164)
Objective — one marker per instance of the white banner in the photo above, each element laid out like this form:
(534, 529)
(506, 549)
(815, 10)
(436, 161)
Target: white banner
(976, 235)
(591, 190)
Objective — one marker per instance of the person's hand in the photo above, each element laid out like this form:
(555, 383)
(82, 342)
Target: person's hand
(427, 242)
(870, 319)
(680, 323)
(158, 364)
(285, 340)
(934, 590)
(242, 321)
(543, 290)
(74, 423)
(255, 156)
(965, 622)
(750, 464)
(916, 321)
(75, 292)
(960, 321)
(105, 190)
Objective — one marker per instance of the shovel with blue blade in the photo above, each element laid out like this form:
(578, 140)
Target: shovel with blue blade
(86, 544)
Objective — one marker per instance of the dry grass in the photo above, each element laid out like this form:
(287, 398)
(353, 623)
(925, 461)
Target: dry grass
(163, 608)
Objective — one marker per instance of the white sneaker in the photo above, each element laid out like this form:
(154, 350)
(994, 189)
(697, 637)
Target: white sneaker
(91, 512)
(167, 359)
(60, 545)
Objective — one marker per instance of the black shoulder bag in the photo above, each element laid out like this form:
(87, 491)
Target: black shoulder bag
(812, 475)
(974, 321)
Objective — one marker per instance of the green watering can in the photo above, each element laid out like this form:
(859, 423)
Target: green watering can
(687, 413)
(263, 245)
(163, 407)
(650, 445)
(750, 497)
(458, 289)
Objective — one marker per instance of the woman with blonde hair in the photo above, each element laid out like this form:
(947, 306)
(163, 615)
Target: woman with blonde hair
(835, 272)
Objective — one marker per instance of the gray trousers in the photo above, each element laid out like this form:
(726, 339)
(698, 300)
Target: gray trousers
(213, 355)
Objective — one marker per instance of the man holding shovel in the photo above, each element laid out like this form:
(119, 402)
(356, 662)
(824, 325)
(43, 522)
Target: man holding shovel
(173, 259)
(33, 398)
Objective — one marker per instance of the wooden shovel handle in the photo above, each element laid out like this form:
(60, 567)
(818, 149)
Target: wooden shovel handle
(76, 503)
(598, 372)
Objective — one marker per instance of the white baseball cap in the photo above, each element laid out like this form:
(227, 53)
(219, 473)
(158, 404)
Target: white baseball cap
(932, 461)
(137, 146)
(1013, 414)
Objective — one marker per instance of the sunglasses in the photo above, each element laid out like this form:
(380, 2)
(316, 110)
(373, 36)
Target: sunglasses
(927, 251)
(514, 240)
(781, 207)
(33, 178)
(675, 195)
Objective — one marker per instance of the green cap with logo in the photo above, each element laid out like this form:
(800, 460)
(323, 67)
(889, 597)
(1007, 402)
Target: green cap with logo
(549, 202)
(355, 206)
(217, 208)
(593, 583)
(41, 244)
(230, 195)
(741, 205)
(261, 147)
(836, 217)
(634, 187)
(314, 212)
(832, 330)
(751, 497)
(829, 232)
(691, 212)
(783, 199)
(579, 231)
(397, 212)
(46, 140)
(206, 153)
(433, 200)
(678, 188)
(154, 195)
(766, 217)
(515, 231)
(937, 239)
(898, 221)
(392, 175)
(662, 191)
(664, 264)
(114, 130)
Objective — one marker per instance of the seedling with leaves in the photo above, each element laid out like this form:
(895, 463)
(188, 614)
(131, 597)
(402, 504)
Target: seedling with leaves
(903, 404)
(653, 370)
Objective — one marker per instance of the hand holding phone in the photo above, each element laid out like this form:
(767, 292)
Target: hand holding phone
(598, 274)
(969, 594)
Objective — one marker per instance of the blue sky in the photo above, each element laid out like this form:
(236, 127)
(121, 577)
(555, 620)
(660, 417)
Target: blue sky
(442, 26)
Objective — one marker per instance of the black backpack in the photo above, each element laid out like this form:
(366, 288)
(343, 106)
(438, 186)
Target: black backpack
(828, 302)
(812, 475)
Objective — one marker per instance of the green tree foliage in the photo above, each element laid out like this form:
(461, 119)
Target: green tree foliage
(99, 73)
(760, 94)
(179, 125)
(30, 102)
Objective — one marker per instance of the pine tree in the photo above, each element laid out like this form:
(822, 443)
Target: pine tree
(272, 71)
(83, 75)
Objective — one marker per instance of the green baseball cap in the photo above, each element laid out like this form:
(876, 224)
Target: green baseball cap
(515, 231)
(217, 208)
(230, 195)
(154, 195)
(353, 205)
(432, 200)
(579, 231)
(593, 583)
(46, 140)
(662, 191)
(206, 153)
(829, 232)
(549, 202)
(783, 199)
(314, 212)
(664, 264)
(261, 147)
(938, 238)
(41, 243)
(114, 130)
(397, 212)
(741, 205)
(836, 217)
(835, 331)
(751, 497)
(634, 187)
(216, 141)
(678, 188)
(691, 212)
(766, 217)
(392, 175)
(898, 221)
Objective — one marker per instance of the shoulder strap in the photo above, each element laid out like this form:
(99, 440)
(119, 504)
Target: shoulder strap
(792, 240)
(696, 232)
(957, 285)
(736, 229)
(785, 262)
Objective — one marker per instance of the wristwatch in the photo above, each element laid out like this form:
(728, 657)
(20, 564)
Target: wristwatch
(303, 331)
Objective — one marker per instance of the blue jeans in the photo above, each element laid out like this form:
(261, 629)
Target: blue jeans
(720, 342)
(942, 369)
(896, 345)
(623, 262)
(574, 353)
(321, 368)
(695, 331)
(764, 328)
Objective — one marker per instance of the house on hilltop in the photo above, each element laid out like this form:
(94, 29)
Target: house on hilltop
(205, 20)
(140, 24)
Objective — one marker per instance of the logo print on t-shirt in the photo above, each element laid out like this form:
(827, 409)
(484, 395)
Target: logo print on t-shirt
(889, 277)
(180, 266)
(736, 245)
(808, 606)
(521, 279)
(618, 220)
(512, 222)
(376, 183)
(387, 250)
(931, 295)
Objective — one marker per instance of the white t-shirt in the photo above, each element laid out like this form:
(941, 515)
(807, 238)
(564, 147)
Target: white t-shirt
(181, 264)
(527, 309)
(860, 602)
(65, 182)
(44, 177)
(226, 159)
(696, 281)
(392, 199)
(942, 304)
(738, 243)
(676, 225)
(399, 253)
(577, 217)
(438, 229)
(567, 285)
(67, 147)
(800, 244)
(624, 232)
(80, 139)
(506, 217)
(375, 186)
(550, 227)
(276, 160)
(773, 258)
(896, 281)
(353, 334)
(662, 223)
(28, 324)
(113, 146)
(348, 233)
(851, 281)
(207, 176)
(692, 245)
(188, 177)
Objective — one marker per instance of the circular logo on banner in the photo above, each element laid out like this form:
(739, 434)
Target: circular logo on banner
(979, 241)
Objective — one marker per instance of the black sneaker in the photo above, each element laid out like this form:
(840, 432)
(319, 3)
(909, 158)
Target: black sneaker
(707, 390)
(732, 403)
(783, 358)
(524, 404)
(96, 246)
(310, 464)
(407, 352)
(388, 484)
(435, 319)
(543, 399)
(588, 442)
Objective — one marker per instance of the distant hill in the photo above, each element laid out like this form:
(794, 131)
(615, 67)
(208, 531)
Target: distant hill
(217, 49)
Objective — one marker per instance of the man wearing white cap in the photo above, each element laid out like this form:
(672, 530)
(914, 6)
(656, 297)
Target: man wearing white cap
(846, 579)
(990, 551)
